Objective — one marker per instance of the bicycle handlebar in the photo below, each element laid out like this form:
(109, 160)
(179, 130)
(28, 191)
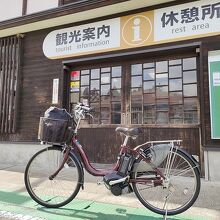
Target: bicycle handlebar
(82, 110)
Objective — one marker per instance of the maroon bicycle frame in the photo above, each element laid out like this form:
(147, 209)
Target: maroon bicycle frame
(102, 172)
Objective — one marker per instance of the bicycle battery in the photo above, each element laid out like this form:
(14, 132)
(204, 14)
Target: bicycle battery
(125, 164)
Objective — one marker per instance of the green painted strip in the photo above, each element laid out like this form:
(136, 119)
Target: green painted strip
(21, 203)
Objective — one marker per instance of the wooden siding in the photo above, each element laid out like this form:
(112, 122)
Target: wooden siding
(103, 144)
(9, 81)
(37, 73)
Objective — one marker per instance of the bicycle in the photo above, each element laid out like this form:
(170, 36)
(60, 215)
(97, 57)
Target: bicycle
(164, 178)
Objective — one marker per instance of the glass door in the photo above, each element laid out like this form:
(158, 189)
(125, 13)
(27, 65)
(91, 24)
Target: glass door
(100, 86)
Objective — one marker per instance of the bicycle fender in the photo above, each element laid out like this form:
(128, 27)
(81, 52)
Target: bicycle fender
(72, 153)
(195, 162)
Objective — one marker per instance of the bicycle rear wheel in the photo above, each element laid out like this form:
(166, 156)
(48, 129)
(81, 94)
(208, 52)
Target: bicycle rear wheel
(177, 193)
(63, 188)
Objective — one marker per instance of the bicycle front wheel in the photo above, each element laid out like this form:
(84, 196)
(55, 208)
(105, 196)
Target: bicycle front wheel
(58, 191)
(177, 192)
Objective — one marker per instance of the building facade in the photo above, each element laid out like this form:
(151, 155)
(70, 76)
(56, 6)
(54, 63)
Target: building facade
(149, 64)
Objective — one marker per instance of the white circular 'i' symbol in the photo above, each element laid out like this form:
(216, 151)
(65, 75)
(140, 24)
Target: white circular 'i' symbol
(136, 30)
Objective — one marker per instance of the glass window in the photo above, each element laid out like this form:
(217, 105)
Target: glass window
(175, 62)
(101, 88)
(105, 78)
(94, 85)
(95, 73)
(149, 74)
(190, 90)
(136, 81)
(116, 83)
(162, 79)
(105, 89)
(189, 76)
(167, 97)
(175, 84)
(136, 69)
(116, 71)
(148, 65)
(85, 80)
(189, 63)
(149, 87)
(162, 67)
(175, 71)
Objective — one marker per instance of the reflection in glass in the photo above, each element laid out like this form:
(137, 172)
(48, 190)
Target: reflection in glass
(190, 90)
(116, 118)
(105, 113)
(149, 87)
(149, 74)
(175, 84)
(149, 114)
(162, 92)
(105, 89)
(162, 105)
(189, 77)
(162, 67)
(175, 71)
(116, 95)
(191, 117)
(85, 80)
(105, 78)
(94, 95)
(106, 69)
(136, 95)
(136, 69)
(136, 81)
(162, 79)
(85, 91)
(136, 118)
(74, 97)
(116, 71)
(148, 65)
(116, 83)
(189, 63)
(176, 98)
(116, 106)
(162, 117)
(149, 98)
(94, 85)
(191, 104)
(84, 72)
(175, 62)
(95, 73)
(176, 111)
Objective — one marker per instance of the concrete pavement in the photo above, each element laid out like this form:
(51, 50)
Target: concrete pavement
(94, 202)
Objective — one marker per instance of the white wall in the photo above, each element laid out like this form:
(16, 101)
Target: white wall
(10, 9)
(40, 5)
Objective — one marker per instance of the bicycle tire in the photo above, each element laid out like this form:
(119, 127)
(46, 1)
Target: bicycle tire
(154, 195)
(41, 188)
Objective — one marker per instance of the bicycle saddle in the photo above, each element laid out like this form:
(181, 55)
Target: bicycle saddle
(131, 132)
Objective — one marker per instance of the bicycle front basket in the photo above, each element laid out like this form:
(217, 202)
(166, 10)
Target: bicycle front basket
(53, 130)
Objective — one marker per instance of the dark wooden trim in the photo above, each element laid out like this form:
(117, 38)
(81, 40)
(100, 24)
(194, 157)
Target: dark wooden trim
(136, 51)
(24, 7)
(211, 148)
